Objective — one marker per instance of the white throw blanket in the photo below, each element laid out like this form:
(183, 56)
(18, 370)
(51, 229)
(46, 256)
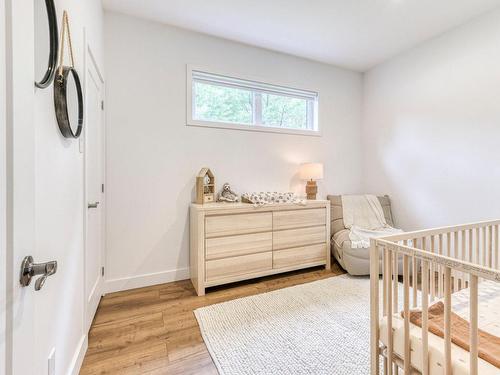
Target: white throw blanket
(364, 217)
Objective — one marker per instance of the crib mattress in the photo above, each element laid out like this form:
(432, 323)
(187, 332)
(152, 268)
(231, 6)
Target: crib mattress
(489, 321)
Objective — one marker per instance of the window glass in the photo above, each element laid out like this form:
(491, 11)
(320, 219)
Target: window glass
(219, 103)
(224, 101)
(283, 111)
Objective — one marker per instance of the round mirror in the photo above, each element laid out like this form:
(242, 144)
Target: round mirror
(72, 103)
(68, 101)
(46, 42)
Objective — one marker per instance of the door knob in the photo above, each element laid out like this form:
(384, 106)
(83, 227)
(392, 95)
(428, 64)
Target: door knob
(29, 269)
(93, 205)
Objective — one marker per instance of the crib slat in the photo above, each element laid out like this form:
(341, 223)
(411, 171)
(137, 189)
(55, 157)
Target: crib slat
(414, 276)
(471, 254)
(483, 246)
(425, 317)
(473, 308)
(447, 321)
(496, 249)
(395, 296)
(433, 271)
(478, 259)
(395, 272)
(390, 337)
(374, 307)
(469, 248)
(384, 281)
(406, 284)
(490, 246)
(455, 255)
(448, 244)
(465, 276)
(440, 268)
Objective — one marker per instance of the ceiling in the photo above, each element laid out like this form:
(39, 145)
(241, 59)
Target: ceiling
(355, 34)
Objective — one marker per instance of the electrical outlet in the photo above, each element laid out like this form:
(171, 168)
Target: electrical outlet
(51, 369)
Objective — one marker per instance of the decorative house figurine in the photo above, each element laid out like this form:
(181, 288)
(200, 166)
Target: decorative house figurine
(205, 186)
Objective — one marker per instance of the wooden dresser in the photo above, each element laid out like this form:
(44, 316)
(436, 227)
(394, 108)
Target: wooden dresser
(236, 241)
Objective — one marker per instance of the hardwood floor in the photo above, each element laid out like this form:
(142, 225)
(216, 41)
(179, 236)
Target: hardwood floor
(153, 330)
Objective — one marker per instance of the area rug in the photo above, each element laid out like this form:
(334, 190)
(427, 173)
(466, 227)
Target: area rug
(317, 328)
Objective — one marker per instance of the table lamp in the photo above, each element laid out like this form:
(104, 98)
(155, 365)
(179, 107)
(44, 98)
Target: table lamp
(311, 172)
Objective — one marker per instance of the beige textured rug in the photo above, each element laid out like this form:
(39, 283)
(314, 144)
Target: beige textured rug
(317, 328)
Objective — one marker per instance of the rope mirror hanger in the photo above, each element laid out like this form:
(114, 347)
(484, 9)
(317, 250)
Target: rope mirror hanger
(61, 87)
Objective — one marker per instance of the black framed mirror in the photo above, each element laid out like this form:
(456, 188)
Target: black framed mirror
(68, 101)
(41, 36)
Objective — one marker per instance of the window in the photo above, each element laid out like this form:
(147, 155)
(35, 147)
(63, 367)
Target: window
(216, 100)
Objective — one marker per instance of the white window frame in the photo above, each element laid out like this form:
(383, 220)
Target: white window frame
(191, 121)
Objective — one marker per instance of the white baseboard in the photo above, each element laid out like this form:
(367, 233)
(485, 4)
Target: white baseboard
(77, 361)
(116, 285)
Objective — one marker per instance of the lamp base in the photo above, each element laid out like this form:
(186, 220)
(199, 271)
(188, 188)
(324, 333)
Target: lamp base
(311, 190)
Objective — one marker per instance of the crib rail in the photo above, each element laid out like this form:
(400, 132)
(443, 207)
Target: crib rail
(436, 263)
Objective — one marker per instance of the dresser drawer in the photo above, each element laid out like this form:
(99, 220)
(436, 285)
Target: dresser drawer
(298, 237)
(223, 247)
(299, 218)
(314, 254)
(229, 225)
(246, 264)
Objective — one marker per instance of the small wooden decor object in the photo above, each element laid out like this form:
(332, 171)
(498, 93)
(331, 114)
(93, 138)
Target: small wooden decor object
(311, 189)
(311, 172)
(205, 186)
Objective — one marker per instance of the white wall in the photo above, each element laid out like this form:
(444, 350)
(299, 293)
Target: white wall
(59, 207)
(3, 194)
(153, 157)
(431, 128)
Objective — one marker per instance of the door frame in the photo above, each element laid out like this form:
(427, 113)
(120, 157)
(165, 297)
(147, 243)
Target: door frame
(90, 59)
(18, 184)
(3, 190)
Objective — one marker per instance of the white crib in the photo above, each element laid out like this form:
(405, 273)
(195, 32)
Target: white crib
(446, 261)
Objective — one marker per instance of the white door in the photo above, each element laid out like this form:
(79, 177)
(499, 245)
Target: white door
(3, 187)
(17, 180)
(94, 162)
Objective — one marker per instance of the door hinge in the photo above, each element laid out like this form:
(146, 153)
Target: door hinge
(102, 188)
(102, 271)
(102, 105)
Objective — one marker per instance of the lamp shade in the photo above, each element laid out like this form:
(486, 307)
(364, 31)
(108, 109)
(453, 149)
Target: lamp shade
(311, 171)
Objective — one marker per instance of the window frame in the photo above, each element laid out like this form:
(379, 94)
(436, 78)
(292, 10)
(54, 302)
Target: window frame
(191, 121)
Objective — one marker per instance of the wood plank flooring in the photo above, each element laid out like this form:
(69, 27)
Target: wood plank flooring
(153, 330)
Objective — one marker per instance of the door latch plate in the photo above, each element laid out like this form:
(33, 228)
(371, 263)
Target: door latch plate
(26, 274)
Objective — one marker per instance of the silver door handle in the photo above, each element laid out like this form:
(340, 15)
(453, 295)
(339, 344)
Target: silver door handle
(93, 205)
(29, 269)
